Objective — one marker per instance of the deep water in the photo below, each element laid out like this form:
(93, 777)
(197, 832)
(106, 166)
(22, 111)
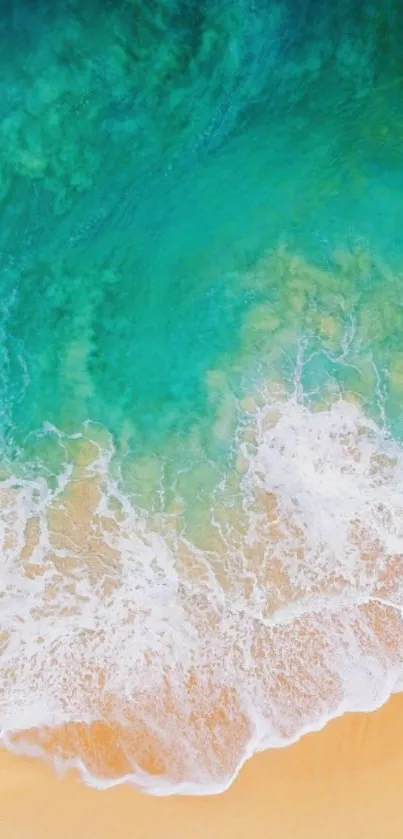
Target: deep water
(151, 154)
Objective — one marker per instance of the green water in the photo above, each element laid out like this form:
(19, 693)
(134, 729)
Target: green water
(151, 157)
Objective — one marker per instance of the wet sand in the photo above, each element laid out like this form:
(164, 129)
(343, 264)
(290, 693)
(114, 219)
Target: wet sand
(344, 782)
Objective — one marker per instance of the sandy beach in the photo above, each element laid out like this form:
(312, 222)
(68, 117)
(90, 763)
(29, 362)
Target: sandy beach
(345, 781)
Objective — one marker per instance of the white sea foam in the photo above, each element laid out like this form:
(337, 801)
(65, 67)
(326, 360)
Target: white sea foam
(287, 612)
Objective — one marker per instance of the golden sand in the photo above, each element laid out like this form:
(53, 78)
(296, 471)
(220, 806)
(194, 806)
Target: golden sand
(345, 782)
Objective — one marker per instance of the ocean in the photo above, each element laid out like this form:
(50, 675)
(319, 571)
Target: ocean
(201, 368)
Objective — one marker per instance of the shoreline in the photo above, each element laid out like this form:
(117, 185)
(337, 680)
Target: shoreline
(345, 779)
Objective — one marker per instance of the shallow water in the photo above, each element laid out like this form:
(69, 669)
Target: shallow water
(201, 380)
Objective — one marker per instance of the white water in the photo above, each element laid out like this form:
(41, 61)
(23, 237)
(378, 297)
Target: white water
(285, 614)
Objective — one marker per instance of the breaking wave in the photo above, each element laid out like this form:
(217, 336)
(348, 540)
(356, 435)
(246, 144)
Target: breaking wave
(140, 648)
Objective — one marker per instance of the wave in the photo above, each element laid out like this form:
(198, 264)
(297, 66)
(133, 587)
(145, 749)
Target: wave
(165, 644)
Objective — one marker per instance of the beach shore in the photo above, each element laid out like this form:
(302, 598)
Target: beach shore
(345, 781)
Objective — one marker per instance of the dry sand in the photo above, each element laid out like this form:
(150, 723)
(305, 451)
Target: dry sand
(345, 781)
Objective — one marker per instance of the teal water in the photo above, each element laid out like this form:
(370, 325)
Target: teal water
(201, 210)
(151, 157)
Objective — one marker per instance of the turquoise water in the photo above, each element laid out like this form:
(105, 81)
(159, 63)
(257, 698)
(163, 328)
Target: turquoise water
(201, 218)
(149, 159)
